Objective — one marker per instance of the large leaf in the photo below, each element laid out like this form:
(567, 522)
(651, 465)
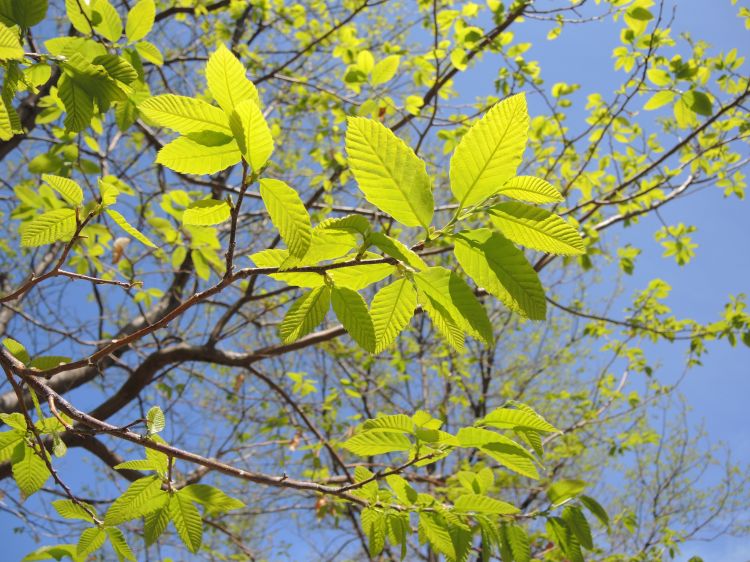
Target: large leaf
(10, 45)
(206, 212)
(134, 502)
(536, 228)
(130, 229)
(49, 227)
(305, 314)
(530, 189)
(388, 172)
(187, 520)
(185, 115)
(227, 80)
(505, 418)
(252, 134)
(391, 309)
(351, 310)
(288, 214)
(140, 20)
(489, 153)
(24, 13)
(453, 293)
(29, 469)
(79, 105)
(377, 442)
(69, 189)
(200, 154)
(494, 263)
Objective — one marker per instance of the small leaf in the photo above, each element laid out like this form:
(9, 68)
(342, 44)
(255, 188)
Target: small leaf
(563, 490)
(150, 52)
(140, 20)
(69, 509)
(252, 134)
(227, 80)
(595, 508)
(576, 520)
(155, 421)
(206, 212)
(475, 503)
(17, 350)
(126, 226)
(384, 70)
(214, 500)
(389, 173)
(69, 189)
(530, 189)
(49, 227)
(288, 214)
(305, 314)
(351, 310)
(391, 309)
(505, 418)
(659, 99)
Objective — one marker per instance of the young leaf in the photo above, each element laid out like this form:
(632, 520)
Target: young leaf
(140, 20)
(305, 314)
(530, 189)
(29, 469)
(10, 46)
(489, 153)
(443, 320)
(476, 503)
(119, 544)
(24, 13)
(351, 310)
(109, 23)
(288, 214)
(395, 249)
(384, 70)
(252, 134)
(127, 227)
(91, 540)
(536, 228)
(17, 350)
(577, 522)
(206, 212)
(200, 153)
(388, 172)
(134, 502)
(136, 464)
(374, 526)
(184, 115)
(187, 520)
(377, 442)
(150, 52)
(49, 227)
(518, 542)
(227, 80)
(156, 520)
(563, 490)
(433, 529)
(9, 440)
(213, 500)
(595, 508)
(69, 509)
(452, 292)
(494, 263)
(505, 418)
(69, 189)
(391, 309)
(155, 421)
(79, 105)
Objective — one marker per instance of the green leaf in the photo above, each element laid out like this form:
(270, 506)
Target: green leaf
(69, 189)
(433, 529)
(288, 214)
(505, 418)
(504, 450)
(563, 490)
(10, 45)
(391, 309)
(187, 520)
(595, 508)
(214, 500)
(9, 440)
(49, 227)
(351, 310)
(91, 540)
(536, 228)
(110, 24)
(453, 293)
(227, 80)
(698, 102)
(200, 153)
(353, 224)
(576, 521)
(140, 20)
(79, 14)
(388, 172)
(377, 442)
(120, 544)
(562, 535)
(134, 502)
(206, 212)
(374, 526)
(443, 320)
(69, 509)
(136, 464)
(305, 314)
(517, 542)
(530, 189)
(659, 99)
(384, 70)
(156, 520)
(117, 68)
(29, 470)
(150, 52)
(489, 153)
(57, 551)
(17, 350)
(403, 490)
(127, 227)
(24, 13)
(396, 422)
(16, 420)
(494, 263)
(252, 134)
(476, 503)
(155, 421)
(395, 249)
(48, 362)
(184, 115)
(79, 105)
